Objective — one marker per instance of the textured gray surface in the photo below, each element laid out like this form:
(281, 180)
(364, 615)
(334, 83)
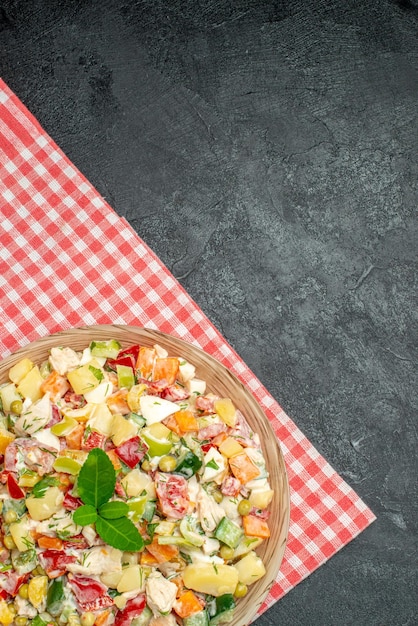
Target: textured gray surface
(267, 152)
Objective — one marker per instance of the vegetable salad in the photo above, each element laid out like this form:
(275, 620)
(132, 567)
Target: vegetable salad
(129, 493)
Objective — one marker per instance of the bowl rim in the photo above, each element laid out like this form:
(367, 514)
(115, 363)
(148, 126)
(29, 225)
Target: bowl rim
(248, 606)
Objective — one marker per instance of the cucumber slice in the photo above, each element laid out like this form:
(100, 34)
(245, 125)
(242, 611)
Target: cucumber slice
(228, 532)
(198, 619)
(108, 349)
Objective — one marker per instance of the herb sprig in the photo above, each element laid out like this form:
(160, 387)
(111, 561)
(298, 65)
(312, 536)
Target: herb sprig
(96, 485)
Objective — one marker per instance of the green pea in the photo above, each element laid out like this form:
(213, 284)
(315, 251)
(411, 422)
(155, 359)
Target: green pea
(244, 507)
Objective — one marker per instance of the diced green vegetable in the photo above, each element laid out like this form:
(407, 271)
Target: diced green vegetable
(228, 532)
(109, 349)
(224, 609)
(190, 530)
(24, 562)
(143, 619)
(126, 377)
(198, 619)
(138, 419)
(38, 621)
(149, 511)
(55, 597)
(188, 464)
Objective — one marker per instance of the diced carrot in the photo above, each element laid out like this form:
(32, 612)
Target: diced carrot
(178, 581)
(75, 438)
(243, 468)
(162, 553)
(187, 604)
(145, 362)
(117, 402)
(216, 441)
(102, 618)
(56, 385)
(167, 368)
(114, 459)
(182, 422)
(255, 527)
(147, 558)
(50, 543)
(64, 481)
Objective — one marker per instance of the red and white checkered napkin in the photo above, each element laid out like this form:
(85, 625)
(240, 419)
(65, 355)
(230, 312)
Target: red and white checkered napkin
(67, 259)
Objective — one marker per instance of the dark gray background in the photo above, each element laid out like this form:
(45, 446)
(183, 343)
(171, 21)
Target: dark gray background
(266, 151)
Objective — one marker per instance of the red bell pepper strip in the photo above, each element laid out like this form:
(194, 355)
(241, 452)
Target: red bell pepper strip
(133, 608)
(13, 488)
(91, 595)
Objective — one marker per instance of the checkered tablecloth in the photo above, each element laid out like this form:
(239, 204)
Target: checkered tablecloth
(67, 259)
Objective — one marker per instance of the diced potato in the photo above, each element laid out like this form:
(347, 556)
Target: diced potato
(213, 579)
(246, 545)
(122, 429)
(230, 447)
(132, 579)
(81, 414)
(101, 419)
(9, 394)
(136, 481)
(111, 579)
(250, 568)
(37, 590)
(6, 437)
(261, 499)
(196, 386)
(133, 396)
(19, 371)
(42, 508)
(226, 410)
(20, 532)
(30, 385)
(100, 393)
(86, 377)
(6, 615)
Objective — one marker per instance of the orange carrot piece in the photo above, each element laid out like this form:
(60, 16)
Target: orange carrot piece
(162, 553)
(145, 361)
(255, 527)
(114, 459)
(147, 558)
(56, 385)
(243, 468)
(75, 437)
(182, 422)
(102, 618)
(50, 543)
(167, 368)
(187, 604)
(216, 441)
(117, 402)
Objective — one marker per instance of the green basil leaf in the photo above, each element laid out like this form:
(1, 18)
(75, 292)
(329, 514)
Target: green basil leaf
(114, 509)
(120, 533)
(85, 515)
(96, 479)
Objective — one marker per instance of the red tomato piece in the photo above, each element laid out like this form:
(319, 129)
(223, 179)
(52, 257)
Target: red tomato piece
(133, 608)
(91, 595)
(131, 350)
(173, 494)
(13, 488)
(132, 451)
(11, 581)
(55, 562)
(93, 440)
(127, 359)
(71, 503)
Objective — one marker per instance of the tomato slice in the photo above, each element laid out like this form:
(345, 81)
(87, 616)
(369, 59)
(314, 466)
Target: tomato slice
(133, 608)
(173, 494)
(91, 595)
(132, 451)
(55, 562)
